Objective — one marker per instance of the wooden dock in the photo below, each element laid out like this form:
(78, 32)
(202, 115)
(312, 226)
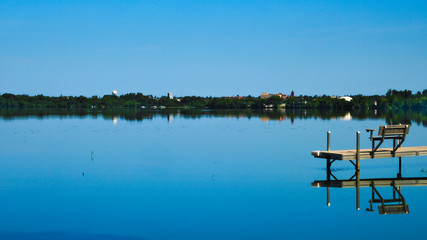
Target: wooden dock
(366, 153)
(375, 152)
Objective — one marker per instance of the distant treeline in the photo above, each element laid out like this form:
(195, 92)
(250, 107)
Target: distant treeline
(393, 99)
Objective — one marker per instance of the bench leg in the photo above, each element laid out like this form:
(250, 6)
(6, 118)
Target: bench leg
(374, 149)
(398, 145)
(394, 146)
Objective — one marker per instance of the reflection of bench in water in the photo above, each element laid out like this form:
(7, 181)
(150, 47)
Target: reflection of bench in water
(393, 209)
(386, 207)
(395, 205)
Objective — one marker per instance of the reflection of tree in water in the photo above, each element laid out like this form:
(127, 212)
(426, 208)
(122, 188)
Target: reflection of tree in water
(418, 117)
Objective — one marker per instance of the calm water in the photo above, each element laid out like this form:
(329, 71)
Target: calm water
(195, 175)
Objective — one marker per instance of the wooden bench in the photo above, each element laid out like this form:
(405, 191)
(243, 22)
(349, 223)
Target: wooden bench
(396, 132)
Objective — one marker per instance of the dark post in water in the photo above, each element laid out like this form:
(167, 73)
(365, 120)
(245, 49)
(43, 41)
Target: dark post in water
(357, 170)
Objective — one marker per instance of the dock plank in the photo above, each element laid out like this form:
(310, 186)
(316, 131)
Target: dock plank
(365, 153)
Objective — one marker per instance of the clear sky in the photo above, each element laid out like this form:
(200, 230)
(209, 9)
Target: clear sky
(212, 48)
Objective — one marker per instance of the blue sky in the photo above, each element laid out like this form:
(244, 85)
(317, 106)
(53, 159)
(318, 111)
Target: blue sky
(212, 48)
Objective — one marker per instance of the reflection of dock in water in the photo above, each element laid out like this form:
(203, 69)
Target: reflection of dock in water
(395, 205)
(379, 182)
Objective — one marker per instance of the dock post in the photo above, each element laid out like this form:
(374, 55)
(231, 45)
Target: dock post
(358, 151)
(357, 190)
(358, 170)
(328, 169)
(328, 160)
(399, 175)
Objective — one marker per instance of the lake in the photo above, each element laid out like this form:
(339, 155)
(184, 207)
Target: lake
(187, 174)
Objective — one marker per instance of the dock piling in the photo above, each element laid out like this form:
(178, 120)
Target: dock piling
(328, 169)
(358, 151)
(358, 170)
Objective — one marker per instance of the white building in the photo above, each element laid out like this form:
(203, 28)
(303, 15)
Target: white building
(348, 99)
(170, 95)
(114, 92)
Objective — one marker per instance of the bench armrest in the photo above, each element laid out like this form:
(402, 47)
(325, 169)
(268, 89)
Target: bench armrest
(370, 131)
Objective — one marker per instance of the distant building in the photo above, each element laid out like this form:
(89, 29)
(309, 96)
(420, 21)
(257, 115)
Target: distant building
(292, 94)
(264, 95)
(114, 92)
(348, 99)
(267, 95)
(170, 95)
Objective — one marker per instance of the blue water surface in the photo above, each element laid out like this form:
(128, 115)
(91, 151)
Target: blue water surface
(206, 177)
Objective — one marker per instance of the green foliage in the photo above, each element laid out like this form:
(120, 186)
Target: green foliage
(392, 100)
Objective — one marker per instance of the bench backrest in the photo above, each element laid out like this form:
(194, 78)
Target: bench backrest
(391, 130)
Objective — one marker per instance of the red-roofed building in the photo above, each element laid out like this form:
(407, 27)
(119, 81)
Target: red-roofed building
(267, 95)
